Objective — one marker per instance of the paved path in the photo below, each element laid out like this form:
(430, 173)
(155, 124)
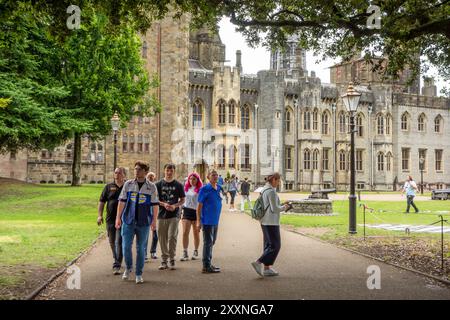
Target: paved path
(309, 269)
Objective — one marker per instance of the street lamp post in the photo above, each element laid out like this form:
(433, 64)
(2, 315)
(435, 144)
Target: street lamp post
(115, 123)
(351, 101)
(333, 108)
(256, 145)
(421, 164)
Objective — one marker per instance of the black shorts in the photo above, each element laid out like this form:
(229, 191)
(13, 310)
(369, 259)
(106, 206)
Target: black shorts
(189, 214)
(232, 194)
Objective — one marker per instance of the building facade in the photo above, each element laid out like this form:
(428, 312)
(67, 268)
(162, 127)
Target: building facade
(283, 119)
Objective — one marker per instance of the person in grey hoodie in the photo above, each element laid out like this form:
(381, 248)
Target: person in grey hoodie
(270, 224)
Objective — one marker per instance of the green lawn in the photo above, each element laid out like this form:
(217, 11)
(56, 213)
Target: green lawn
(44, 226)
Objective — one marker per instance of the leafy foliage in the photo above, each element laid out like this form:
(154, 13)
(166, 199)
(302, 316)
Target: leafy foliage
(29, 89)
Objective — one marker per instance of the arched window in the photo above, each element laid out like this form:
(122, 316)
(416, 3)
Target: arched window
(315, 119)
(342, 160)
(380, 124)
(197, 114)
(232, 157)
(380, 161)
(125, 143)
(325, 121)
(221, 155)
(231, 112)
(92, 153)
(404, 121)
(388, 123)
(222, 111)
(288, 120)
(131, 143)
(342, 122)
(359, 125)
(315, 160)
(147, 143)
(306, 159)
(388, 161)
(245, 117)
(421, 123)
(438, 124)
(307, 120)
(140, 144)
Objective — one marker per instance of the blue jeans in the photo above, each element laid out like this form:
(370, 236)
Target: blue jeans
(154, 242)
(209, 239)
(128, 232)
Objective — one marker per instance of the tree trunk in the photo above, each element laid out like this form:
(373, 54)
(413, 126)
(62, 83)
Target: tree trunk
(76, 164)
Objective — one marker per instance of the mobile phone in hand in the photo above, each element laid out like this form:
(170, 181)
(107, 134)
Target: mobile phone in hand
(289, 206)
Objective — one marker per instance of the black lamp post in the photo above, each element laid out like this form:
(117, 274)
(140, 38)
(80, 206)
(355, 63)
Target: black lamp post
(351, 101)
(421, 164)
(115, 123)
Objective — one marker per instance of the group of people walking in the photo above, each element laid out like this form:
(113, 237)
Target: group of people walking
(140, 206)
(232, 186)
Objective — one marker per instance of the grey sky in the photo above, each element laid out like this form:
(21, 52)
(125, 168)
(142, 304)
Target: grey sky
(257, 59)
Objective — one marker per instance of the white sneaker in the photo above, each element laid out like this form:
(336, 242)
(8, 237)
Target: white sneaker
(139, 279)
(270, 273)
(126, 274)
(258, 268)
(195, 255)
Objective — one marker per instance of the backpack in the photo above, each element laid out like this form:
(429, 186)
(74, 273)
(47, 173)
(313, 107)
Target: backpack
(258, 210)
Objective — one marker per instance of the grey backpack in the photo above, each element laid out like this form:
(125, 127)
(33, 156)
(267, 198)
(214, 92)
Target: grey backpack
(258, 210)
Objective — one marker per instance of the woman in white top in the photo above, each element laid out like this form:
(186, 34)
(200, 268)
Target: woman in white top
(270, 225)
(191, 189)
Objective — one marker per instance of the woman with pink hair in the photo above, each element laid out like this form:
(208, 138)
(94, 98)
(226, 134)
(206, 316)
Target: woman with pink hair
(191, 189)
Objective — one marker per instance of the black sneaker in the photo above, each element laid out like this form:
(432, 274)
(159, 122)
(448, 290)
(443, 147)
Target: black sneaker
(195, 255)
(185, 256)
(172, 265)
(210, 270)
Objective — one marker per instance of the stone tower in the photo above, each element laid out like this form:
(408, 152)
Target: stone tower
(154, 139)
(291, 58)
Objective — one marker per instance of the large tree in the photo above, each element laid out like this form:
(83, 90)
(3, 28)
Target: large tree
(105, 74)
(29, 88)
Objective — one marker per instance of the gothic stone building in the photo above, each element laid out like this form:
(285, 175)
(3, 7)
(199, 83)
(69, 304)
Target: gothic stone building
(282, 119)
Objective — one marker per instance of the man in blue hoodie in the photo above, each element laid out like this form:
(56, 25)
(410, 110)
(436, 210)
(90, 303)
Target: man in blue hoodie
(135, 214)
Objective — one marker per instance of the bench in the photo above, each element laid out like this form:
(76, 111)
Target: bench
(321, 194)
(442, 194)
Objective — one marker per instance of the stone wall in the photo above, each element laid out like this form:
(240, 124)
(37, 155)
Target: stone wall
(308, 206)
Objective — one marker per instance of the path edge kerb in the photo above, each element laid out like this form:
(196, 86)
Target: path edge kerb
(38, 290)
(371, 257)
